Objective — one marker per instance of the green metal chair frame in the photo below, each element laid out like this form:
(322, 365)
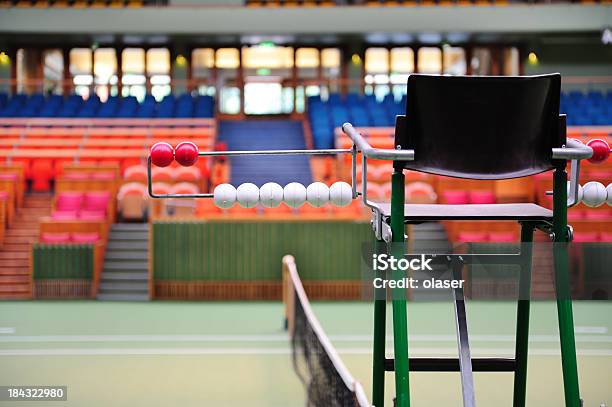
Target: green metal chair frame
(390, 220)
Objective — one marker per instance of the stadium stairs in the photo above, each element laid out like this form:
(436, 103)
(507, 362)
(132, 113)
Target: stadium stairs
(15, 278)
(266, 135)
(125, 275)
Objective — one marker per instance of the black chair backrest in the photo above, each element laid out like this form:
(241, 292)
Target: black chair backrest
(481, 127)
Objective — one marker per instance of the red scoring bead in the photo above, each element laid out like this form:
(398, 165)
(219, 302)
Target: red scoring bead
(162, 154)
(186, 153)
(601, 150)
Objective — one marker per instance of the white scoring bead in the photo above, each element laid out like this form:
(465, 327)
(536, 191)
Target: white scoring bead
(317, 194)
(247, 195)
(271, 195)
(594, 194)
(609, 191)
(224, 196)
(580, 193)
(294, 194)
(340, 193)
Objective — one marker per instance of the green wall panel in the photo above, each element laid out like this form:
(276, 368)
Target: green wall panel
(243, 251)
(52, 261)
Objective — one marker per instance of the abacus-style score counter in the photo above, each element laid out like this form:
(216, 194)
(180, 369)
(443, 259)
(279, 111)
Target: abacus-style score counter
(271, 195)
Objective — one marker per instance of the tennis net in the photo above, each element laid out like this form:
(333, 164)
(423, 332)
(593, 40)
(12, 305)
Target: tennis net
(327, 381)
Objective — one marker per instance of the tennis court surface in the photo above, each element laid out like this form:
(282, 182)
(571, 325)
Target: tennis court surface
(237, 354)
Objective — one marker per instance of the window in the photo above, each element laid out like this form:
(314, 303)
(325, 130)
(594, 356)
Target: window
(105, 73)
(481, 61)
(330, 63)
(133, 78)
(202, 62)
(158, 71)
(402, 64)
(454, 60)
(511, 61)
(53, 71)
(377, 72)
(307, 61)
(227, 61)
(430, 60)
(81, 69)
(267, 74)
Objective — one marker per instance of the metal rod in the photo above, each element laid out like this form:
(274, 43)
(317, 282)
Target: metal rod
(573, 150)
(463, 342)
(275, 152)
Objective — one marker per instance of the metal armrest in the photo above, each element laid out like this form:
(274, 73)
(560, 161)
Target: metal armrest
(574, 151)
(381, 229)
(377, 153)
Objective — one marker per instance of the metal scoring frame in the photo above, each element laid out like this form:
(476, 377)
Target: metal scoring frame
(360, 145)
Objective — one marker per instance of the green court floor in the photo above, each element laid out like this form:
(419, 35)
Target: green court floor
(237, 354)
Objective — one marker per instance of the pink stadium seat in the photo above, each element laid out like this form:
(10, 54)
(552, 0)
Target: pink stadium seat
(96, 201)
(456, 197)
(69, 201)
(97, 216)
(76, 176)
(55, 237)
(598, 214)
(605, 237)
(465, 237)
(65, 215)
(582, 237)
(8, 176)
(502, 237)
(85, 237)
(482, 197)
(103, 175)
(575, 214)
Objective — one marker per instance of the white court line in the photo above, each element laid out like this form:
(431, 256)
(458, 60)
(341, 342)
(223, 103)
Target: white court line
(266, 351)
(591, 330)
(280, 338)
(7, 330)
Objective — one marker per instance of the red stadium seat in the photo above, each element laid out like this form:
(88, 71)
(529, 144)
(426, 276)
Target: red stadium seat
(42, 174)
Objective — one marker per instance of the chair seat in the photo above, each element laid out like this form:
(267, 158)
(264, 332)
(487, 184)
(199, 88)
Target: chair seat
(518, 211)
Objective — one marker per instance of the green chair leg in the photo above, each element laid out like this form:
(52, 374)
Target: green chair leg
(378, 373)
(563, 291)
(522, 316)
(400, 319)
(378, 364)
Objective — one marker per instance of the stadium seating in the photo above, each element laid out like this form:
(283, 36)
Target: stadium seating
(583, 109)
(37, 105)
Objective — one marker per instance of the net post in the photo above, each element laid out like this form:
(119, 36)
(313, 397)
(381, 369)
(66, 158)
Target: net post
(400, 319)
(287, 293)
